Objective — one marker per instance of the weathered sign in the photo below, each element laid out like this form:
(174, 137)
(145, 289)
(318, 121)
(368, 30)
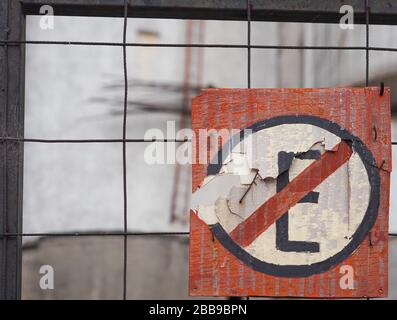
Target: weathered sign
(293, 197)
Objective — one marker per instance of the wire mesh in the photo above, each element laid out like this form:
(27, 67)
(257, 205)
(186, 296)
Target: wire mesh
(124, 140)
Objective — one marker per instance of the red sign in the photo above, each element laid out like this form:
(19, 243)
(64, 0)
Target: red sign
(293, 192)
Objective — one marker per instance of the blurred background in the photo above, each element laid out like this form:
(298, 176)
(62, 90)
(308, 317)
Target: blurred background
(76, 92)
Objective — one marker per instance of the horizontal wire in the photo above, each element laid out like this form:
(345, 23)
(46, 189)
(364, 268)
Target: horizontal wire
(106, 234)
(192, 45)
(2, 139)
(92, 234)
(89, 140)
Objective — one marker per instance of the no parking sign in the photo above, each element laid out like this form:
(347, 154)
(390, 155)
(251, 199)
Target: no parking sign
(294, 200)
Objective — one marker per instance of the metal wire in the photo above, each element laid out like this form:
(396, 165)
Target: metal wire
(248, 44)
(193, 45)
(125, 194)
(72, 141)
(367, 42)
(93, 234)
(105, 234)
(4, 167)
(23, 140)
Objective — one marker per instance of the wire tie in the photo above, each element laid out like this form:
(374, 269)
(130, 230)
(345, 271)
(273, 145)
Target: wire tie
(382, 89)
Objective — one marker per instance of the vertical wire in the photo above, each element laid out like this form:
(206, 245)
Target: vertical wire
(366, 49)
(366, 42)
(125, 256)
(249, 43)
(249, 49)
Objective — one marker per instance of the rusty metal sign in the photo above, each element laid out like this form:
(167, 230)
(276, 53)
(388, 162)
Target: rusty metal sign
(290, 192)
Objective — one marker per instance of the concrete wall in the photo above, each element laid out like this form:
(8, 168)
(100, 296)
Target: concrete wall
(92, 268)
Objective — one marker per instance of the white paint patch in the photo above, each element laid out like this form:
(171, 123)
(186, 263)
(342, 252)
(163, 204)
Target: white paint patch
(266, 145)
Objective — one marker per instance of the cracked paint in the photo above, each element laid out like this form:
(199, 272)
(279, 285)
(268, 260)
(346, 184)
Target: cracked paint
(250, 260)
(331, 222)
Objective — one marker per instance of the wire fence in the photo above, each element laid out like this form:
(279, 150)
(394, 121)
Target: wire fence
(124, 140)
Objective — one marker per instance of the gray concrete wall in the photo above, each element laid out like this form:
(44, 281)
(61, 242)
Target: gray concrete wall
(92, 268)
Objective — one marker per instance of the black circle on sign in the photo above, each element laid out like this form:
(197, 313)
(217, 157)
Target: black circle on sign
(366, 224)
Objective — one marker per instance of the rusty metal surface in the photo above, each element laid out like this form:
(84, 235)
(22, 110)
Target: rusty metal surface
(11, 154)
(316, 11)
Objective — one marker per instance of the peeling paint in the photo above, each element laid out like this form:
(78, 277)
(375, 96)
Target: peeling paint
(331, 222)
(342, 210)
